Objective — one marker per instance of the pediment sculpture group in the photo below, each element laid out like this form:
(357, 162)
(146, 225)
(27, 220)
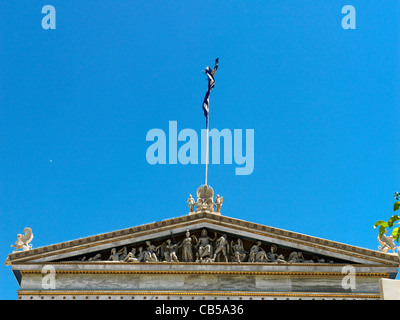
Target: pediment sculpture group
(203, 250)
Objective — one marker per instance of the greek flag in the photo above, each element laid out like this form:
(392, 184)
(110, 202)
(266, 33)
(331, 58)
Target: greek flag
(206, 103)
(211, 82)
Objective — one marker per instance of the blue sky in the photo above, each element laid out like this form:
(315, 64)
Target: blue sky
(77, 102)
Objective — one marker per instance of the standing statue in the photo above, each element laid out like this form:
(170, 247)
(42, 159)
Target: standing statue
(222, 246)
(205, 245)
(191, 203)
(187, 245)
(218, 203)
(23, 240)
(238, 252)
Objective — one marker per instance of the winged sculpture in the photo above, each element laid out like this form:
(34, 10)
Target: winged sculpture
(23, 240)
(387, 243)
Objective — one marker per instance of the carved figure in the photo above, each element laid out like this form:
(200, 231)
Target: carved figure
(131, 256)
(23, 240)
(150, 253)
(238, 252)
(218, 203)
(187, 245)
(114, 256)
(222, 246)
(297, 257)
(191, 203)
(97, 257)
(257, 254)
(387, 243)
(205, 201)
(274, 257)
(205, 245)
(123, 253)
(141, 255)
(170, 251)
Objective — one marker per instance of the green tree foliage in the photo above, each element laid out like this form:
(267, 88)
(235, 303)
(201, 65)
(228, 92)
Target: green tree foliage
(383, 225)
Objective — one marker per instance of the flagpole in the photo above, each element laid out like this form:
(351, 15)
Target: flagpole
(206, 104)
(207, 146)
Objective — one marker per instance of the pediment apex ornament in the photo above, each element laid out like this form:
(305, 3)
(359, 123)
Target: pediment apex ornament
(205, 201)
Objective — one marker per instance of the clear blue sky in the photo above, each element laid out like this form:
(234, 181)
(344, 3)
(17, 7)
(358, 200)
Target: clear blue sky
(323, 102)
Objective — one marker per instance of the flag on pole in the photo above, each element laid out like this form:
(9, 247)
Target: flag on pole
(206, 103)
(211, 82)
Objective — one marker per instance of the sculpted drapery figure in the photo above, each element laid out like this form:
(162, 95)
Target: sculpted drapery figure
(114, 256)
(150, 253)
(238, 252)
(130, 257)
(140, 255)
(203, 250)
(257, 254)
(187, 245)
(204, 245)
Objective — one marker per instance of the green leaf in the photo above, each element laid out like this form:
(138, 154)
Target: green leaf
(392, 220)
(380, 223)
(396, 206)
(382, 230)
(396, 233)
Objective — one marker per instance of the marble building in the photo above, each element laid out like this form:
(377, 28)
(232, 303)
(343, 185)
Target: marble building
(200, 255)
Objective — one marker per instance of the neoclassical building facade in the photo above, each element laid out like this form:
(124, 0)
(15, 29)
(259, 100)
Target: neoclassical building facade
(201, 255)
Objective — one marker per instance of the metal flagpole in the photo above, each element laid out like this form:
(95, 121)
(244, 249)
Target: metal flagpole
(208, 115)
(211, 82)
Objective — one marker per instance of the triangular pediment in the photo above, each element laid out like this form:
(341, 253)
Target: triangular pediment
(252, 239)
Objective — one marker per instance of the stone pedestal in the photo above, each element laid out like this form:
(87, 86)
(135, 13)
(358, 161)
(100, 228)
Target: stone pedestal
(389, 289)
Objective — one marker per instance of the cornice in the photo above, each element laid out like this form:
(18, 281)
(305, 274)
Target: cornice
(213, 272)
(217, 220)
(204, 294)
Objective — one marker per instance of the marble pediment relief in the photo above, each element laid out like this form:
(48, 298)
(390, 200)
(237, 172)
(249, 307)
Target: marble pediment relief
(203, 246)
(203, 238)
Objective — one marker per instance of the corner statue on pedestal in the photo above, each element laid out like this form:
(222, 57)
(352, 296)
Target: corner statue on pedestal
(218, 203)
(191, 203)
(23, 241)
